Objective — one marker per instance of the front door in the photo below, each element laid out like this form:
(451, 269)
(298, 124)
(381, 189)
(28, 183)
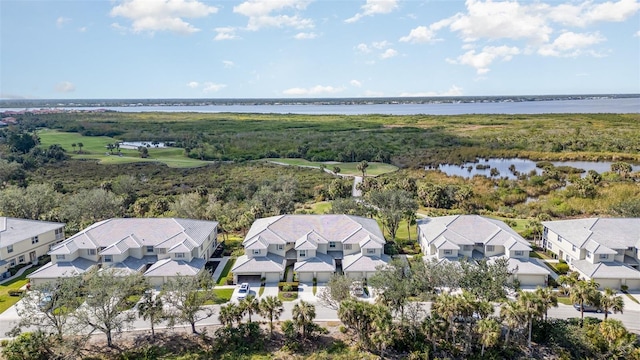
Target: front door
(32, 257)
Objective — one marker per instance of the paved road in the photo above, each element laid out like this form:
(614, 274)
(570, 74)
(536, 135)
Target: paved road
(631, 318)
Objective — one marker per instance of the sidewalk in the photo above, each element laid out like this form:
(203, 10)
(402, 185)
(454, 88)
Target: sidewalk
(20, 272)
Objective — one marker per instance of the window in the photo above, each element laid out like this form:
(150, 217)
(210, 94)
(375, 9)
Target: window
(347, 246)
(491, 248)
(448, 252)
(21, 259)
(573, 248)
(108, 258)
(519, 253)
(332, 244)
(559, 239)
(567, 258)
(9, 249)
(179, 255)
(467, 247)
(280, 247)
(34, 240)
(59, 257)
(256, 252)
(12, 262)
(149, 249)
(549, 246)
(302, 253)
(604, 256)
(59, 233)
(371, 251)
(91, 251)
(589, 254)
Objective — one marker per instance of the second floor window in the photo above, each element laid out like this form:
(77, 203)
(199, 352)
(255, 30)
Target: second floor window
(448, 252)
(332, 244)
(491, 248)
(589, 254)
(347, 246)
(59, 257)
(179, 255)
(34, 240)
(280, 247)
(519, 253)
(256, 252)
(10, 249)
(573, 248)
(302, 253)
(59, 233)
(371, 251)
(149, 249)
(91, 251)
(108, 258)
(604, 256)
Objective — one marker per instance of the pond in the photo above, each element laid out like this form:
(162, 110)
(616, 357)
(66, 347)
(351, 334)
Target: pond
(136, 144)
(523, 166)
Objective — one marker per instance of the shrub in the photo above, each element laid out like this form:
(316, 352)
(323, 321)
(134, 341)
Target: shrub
(291, 286)
(562, 268)
(230, 278)
(16, 292)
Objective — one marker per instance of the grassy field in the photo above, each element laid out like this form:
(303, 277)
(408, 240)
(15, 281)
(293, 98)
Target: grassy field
(95, 147)
(222, 280)
(374, 168)
(7, 301)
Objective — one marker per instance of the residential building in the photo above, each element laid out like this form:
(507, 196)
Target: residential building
(606, 250)
(314, 246)
(23, 241)
(160, 248)
(477, 237)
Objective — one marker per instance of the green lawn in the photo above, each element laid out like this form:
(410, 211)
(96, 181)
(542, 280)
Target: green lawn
(222, 295)
(222, 280)
(95, 147)
(374, 168)
(7, 301)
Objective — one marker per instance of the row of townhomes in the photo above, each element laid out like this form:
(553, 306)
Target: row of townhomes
(24, 241)
(450, 238)
(160, 248)
(317, 246)
(606, 250)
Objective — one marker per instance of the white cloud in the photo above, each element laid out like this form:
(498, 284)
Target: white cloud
(373, 7)
(421, 34)
(481, 60)
(389, 53)
(316, 90)
(355, 83)
(82, 29)
(500, 20)
(260, 14)
(380, 44)
(453, 91)
(193, 84)
(61, 21)
(363, 48)
(228, 64)
(162, 15)
(212, 87)
(305, 36)
(225, 33)
(65, 87)
(119, 28)
(587, 12)
(637, 34)
(570, 44)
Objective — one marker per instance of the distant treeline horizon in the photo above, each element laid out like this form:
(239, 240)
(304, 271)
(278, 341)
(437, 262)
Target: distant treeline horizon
(34, 103)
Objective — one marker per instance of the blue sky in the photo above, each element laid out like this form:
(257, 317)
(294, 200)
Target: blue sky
(316, 49)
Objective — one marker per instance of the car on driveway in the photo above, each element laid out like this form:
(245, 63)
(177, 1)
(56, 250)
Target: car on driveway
(588, 308)
(243, 291)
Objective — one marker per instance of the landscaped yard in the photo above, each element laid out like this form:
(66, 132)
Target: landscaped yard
(6, 301)
(374, 168)
(222, 295)
(222, 280)
(95, 147)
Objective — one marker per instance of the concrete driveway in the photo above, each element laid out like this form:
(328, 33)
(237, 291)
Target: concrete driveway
(305, 292)
(270, 289)
(253, 290)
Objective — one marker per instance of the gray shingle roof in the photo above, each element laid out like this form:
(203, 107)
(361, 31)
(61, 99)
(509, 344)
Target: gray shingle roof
(62, 269)
(319, 263)
(268, 263)
(614, 233)
(359, 262)
(606, 270)
(527, 267)
(169, 267)
(13, 230)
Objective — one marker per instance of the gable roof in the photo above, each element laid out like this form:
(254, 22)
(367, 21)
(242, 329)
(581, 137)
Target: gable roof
(13, 230)
(311, 230)
(613, 233)
(118, 235)
(170, 267)
(606, 270)
(359, 262)
(269, 263)
(470, 230)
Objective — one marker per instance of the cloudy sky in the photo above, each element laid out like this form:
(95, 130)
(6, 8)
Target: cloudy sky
(316, 48)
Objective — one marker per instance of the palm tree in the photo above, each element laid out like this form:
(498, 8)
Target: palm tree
(532, 307)
(151, 309)
(74, 146)
(548, 298)
(445, 307)
(612, 330)
(609, 301)
(568, 281)
(227, 314)
(271, 308)
(303, 314)
(250, 305)
(80, 145)
(489, 331)
(582, 293)
(382, 329)
(511, 315)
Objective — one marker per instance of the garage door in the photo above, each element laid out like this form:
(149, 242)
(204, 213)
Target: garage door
(323, 277)
(252, 279)
(633, 284)
(531, 280)
(305, 277)
(273, 277)
(156, 281)
(354, 275)
(608, 283)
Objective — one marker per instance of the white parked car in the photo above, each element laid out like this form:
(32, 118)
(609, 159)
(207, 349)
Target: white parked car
(357, 289)
(243, 291)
